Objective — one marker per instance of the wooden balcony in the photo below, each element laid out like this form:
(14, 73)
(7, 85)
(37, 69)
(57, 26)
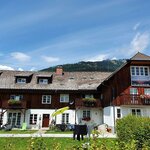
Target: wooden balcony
(134, 100)
(92, 104)
(10, 105)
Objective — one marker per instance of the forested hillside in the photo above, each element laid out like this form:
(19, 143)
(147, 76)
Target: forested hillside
(105, 65)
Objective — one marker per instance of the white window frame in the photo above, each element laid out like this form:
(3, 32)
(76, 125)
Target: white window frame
(133, 93)
(33, 120)
(86, 113)
(147, 91)
(136, 111)
(139, 70)
(64, 98)
(118, 113)
(43, 81)
(21, 80)
(46, 99)
(16, 97)
(89, 96)
(65, 118)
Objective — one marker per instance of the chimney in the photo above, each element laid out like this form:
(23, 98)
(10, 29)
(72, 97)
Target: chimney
(59, 70)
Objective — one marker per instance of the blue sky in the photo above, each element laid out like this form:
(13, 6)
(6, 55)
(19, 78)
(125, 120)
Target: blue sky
(37, 34)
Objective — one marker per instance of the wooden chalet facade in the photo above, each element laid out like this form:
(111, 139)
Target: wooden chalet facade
(92, 97)
(32, 97)
(127, 90)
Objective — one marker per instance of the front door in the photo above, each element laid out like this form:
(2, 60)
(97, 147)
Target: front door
(45, 120)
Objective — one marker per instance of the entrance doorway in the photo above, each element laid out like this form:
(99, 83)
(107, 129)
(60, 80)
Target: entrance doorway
(45, 122)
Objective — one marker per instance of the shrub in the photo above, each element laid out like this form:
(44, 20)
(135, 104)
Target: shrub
(134, 128)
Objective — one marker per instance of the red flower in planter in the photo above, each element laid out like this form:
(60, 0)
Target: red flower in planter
(86, 119)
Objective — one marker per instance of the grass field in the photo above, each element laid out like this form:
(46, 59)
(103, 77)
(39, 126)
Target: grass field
(51, 143)
(18, 132)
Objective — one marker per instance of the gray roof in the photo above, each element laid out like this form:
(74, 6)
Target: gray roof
(67, 81)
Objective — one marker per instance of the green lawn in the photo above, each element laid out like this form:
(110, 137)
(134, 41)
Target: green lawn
(51, 143)
(18, 132)
(58, 132)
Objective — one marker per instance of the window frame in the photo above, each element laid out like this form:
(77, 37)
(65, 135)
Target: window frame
(64, 98)
(136, 111)
(33, 120)
(43, 81)
(145, 91)
(118, 113)
(132, 88)
(48, 98)
(139, 71)
(16, 97)
(22, 80)
(65, 118)
(86, 114)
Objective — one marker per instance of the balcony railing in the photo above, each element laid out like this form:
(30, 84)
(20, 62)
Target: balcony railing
(134, 100)
(13, 104)
(83, 103)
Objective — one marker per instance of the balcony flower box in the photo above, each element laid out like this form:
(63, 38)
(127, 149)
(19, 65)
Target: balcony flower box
(86, 119)
(89, 102)
(14, 102)
(142, 96)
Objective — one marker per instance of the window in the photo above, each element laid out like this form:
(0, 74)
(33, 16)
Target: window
(64, 98)
(146, 71)
(132, 71)
(147, 91)
(136, 112)
(33, 119)
(133, 91)
(118, 113)
(14, 119)
(16, 97)
(21, 80)
(139, 71)
(46, 99)
(89, 96)
(43, 81)
(86, 113)
(65, 118)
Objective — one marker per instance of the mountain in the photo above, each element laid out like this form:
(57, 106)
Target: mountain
(105, 65)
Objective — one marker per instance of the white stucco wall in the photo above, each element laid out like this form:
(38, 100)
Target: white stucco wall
(40, 113)
(96, 116)
(108, 116)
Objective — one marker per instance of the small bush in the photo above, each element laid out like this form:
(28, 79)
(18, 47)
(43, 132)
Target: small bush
(134, 128)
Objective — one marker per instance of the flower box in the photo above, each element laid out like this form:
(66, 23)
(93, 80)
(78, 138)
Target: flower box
(86, 119)
(14, 102)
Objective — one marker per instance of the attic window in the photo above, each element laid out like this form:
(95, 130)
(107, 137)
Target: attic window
(21, 80)
(71, 78)
(91, 78)
(43, 81)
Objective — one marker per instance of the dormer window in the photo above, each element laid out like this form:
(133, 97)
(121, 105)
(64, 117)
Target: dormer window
(21, 80)
(43, 81)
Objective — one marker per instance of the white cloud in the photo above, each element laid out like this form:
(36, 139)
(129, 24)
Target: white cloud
(136, 26)
(20, 69)
(114, 58)
(98, 57)
(33, 69)
(3, 67)
(20, 56)
(50, 59)
(140, 42)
